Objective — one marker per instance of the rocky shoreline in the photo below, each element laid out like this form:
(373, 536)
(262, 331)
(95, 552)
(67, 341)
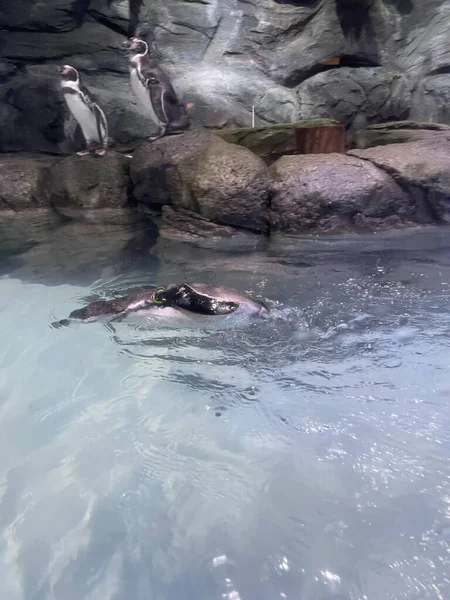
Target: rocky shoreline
(204, 186)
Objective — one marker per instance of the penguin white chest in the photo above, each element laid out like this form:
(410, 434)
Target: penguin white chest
(143, 95)
(84, 115)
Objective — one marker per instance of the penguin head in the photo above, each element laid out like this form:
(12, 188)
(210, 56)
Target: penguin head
(68, 73)
(136, 46)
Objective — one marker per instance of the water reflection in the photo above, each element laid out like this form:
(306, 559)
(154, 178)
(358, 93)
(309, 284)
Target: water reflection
(302, 456)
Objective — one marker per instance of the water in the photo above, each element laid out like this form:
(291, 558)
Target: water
(302, 457)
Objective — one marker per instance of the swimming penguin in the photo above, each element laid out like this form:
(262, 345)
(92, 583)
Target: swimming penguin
(174, 300)
(154, 90)
(85, 110)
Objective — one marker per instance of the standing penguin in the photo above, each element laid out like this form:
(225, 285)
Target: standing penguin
(85, 110)
(154, 91)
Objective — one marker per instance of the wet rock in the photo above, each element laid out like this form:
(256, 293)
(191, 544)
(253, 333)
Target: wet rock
(355, 97)
(23, 183)
(335, 192)
(90, 187)
(223, 183)
(397, 133)
(421, 168)
(185, 224)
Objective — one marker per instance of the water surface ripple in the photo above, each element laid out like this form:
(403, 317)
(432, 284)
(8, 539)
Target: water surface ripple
(303, 456)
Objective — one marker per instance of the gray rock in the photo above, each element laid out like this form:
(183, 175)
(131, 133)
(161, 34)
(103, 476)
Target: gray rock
(91, 40)
(431, 99)
(7, 69)
(422, 169)
(226, 56)
(218, 96)
(24, 183)
(335, 192)
(31, 115)
(199, 172)
(356, 97)
(422, 47)
(397, 133)
(51, 16)
(185, 225)
(90, 188)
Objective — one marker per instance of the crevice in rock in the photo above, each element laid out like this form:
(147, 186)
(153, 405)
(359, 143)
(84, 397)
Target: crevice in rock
(424, 208)
(345, 61)
(42, 29)
(440, 71)
(305, 3)
(106, 22)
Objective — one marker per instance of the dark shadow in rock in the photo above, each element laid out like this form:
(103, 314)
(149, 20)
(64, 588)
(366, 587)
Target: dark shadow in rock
(354, 18)
(306, 3)
(355, 61)
(134, 13)
(404, 7)
(135, 8)
(80, 8)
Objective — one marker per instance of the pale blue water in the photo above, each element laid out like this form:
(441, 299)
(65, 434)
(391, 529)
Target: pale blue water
(304, 457)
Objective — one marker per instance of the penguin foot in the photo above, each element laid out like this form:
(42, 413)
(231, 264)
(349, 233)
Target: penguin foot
(161, 133)
(83, 152)
(100, 152)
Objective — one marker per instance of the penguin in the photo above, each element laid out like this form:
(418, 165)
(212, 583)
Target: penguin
(85, 110)
(154, 91)
(185, 300)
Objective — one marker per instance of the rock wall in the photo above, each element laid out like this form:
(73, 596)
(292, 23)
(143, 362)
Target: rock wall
(225, 56)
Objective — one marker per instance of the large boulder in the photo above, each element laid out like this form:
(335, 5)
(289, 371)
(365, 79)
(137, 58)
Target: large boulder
(336, 192)
(23, 183)
(31, 114)
(221, 96)
(199, 172)
(90, 187)
(355, 96)
(421, 168)
(186, 226)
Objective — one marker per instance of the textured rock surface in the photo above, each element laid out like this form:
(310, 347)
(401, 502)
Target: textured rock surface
(199, 172)
(337, 192)
(356, 97)
(185, 225)
(422, 168)
(23, 183)
(397, 133)
(80, 186)
(270, 142)
(225, 56)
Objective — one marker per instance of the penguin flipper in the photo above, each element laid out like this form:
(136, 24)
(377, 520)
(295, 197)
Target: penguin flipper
(102, 125)
(157, 97)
